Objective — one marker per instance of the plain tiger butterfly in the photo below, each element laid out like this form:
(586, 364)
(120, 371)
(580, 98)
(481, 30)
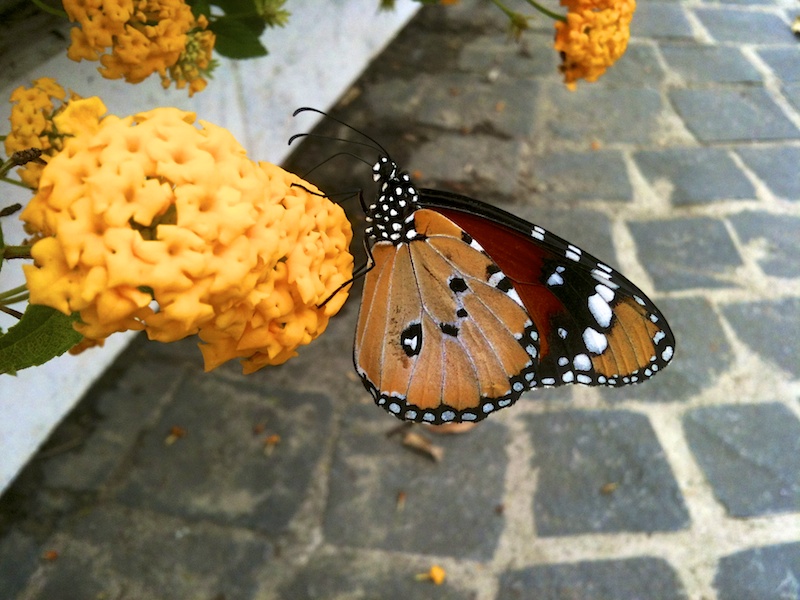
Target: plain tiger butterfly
(466, 306)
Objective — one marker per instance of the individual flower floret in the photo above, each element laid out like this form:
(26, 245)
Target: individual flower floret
(594, 36)
(133, 39)
(151, 223)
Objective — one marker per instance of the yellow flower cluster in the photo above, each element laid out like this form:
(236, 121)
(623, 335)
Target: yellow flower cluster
(154, 224)
(133, 39)
(32, 125)
(594, 36)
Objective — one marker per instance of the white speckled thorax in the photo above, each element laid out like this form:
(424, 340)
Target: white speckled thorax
(390, 217)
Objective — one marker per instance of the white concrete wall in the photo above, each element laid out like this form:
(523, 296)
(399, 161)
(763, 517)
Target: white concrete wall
(311, 62)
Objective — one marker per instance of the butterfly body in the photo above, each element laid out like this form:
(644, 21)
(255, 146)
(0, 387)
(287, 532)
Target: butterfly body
(467, 306)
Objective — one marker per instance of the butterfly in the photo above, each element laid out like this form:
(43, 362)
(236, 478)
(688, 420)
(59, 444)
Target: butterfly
(466, 306)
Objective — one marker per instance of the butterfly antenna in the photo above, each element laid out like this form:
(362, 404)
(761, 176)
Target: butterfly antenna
(350, 127)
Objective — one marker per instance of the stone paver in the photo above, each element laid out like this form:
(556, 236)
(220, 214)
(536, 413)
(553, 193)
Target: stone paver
(695, 175)
(687, 253)
(771, 328)
(679, 166)
(365, 483)
(581, 456)
(744, 114)
(703, 64)
(769, 573)
(774, 165)
(600, 580)
(750, 455)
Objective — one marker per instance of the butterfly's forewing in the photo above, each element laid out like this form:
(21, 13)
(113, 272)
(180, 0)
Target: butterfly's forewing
(441, 337)
(596, 327)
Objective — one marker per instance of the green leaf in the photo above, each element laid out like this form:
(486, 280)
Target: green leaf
(42, 334)
(235, 39)
(244, 11)
(200, 7)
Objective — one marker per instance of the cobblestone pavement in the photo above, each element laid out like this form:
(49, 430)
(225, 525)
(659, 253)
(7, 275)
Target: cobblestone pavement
(680, 168)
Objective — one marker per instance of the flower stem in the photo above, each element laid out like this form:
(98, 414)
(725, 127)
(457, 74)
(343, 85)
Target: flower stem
(50, 9)
(17, 252)
(10, 311)
(13, 181)
(546, 11)
(13, 295)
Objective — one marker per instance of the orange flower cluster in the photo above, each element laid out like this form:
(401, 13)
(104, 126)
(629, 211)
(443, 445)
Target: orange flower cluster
(133, 39)
(32, 123)
(151, 223)
(594, 36)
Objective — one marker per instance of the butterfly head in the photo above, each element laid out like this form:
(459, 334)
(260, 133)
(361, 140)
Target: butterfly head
(390, 216)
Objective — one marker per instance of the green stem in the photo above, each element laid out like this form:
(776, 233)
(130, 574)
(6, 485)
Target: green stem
(10, 311)
(17, 252)
(14, 295)
(15, 299)
(50, 9)
(546, 11)
(509, 13)
(15, 182)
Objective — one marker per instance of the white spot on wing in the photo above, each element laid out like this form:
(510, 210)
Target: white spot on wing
(600, 310)
(582, 362)
(606, 292)
(596, 342)
(666, 355)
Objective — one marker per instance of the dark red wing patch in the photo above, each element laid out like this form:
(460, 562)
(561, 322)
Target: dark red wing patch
(596, 327)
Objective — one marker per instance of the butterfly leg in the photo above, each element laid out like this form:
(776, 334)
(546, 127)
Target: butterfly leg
(359, 273)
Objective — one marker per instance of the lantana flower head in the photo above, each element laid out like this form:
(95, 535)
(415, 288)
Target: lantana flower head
(594, 36)
(151, 223)
(32, 122)
(133, 39)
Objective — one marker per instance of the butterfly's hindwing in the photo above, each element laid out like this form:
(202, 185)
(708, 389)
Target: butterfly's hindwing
(597, 327)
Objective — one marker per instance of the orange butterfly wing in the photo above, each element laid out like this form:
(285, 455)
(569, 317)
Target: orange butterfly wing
(438, 339)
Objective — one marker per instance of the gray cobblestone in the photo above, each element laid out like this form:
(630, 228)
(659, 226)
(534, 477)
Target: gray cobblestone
(784, 62)
(458, 102)
(125, 399)
(149, 556)
(599, 580)
(750, 455)
(19, 556)
(347, 574)
(367, 476)
(641, 69)
(491, 162)
(494, 56)
(695, 175)
(554, 174)
(702, 63)
(732, 115)
(686, 253)
(768, 573)
(601, 472)
(217, 470)
(770, 328)
(604, 115)
(744, 26)
(778, 237)
(776, 166)
(666, 20)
